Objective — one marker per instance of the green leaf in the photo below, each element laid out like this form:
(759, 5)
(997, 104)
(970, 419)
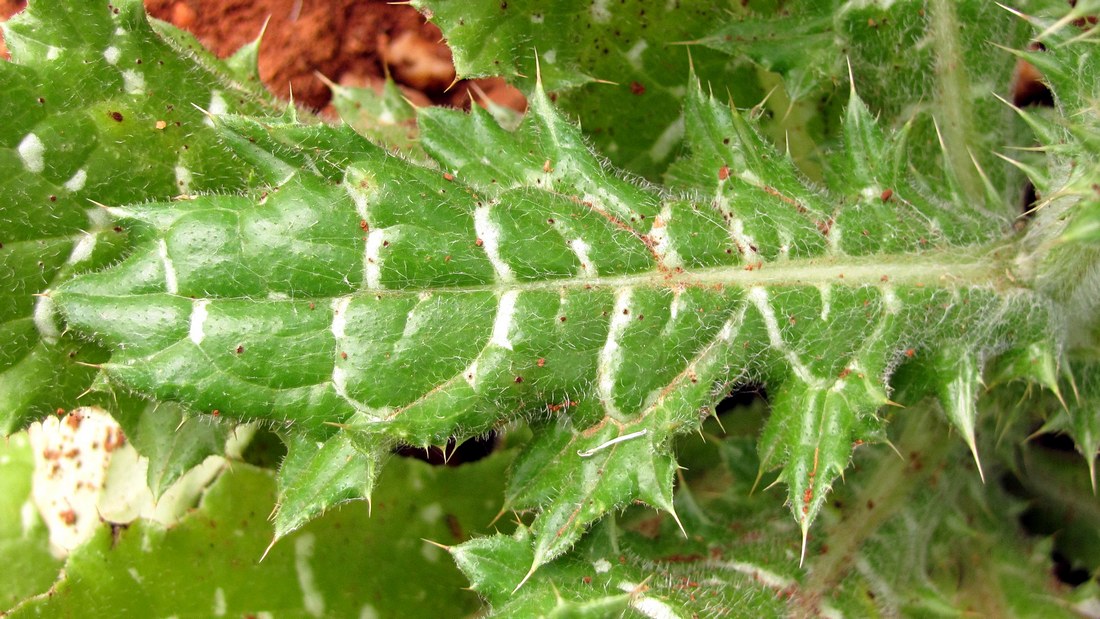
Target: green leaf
(317, 476)
(902, 540)
(96, 105)
(208, 564)
(934, 66)
(619, 66)
(28, 565)
(537, 281)
(386, 117)
(173, 439)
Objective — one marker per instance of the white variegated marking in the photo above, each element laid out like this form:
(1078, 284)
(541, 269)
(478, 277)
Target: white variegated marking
(890, 300)
(368, 612)
(431, 513)
(588, 453)
(53, 53)
(198, 320)
(28, 517)
(111, 55)
(764, 576)
(650, 607)
(580, 248)
(785, 240)
(312, 599)
(677, 304)
(668, 139)
(216, 107)
(372, 262)
(502, 324)
(360, 195)
(745, 242)
(183, 179)
(602, 566)
(654, 608)
(470, 374)
(662, 242)
(171, 285)
(339, 318)
(759, 298)
(634, 54)
(220, 605)
(45, 319)
(32, 151)
(611, 355)
(83, 248)
(488, 232)
(834, 238)
(826, 291)
(76, 183)
(599, 11)
(133, 82)
(550, 56)
(732, 327)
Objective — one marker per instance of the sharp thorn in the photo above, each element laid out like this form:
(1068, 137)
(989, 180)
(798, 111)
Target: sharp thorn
(503, 509)
(268, 549)
(534, 566)
(802, 555)
(672, 512)
(436, 544)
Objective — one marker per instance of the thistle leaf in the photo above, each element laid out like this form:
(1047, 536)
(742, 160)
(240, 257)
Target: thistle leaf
(93, 95)
(317, 476)
(173, 439)
(618, 66)
(537, 281)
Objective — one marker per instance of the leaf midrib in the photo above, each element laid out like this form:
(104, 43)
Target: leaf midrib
(948, 269)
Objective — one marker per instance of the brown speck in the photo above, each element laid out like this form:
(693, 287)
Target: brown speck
(116, 116)
(240, 349)
(637, 88)
(546, 167)
(216, 412)
(160, 124)
(447, 176)
(887, 194)
(479, 242)
(364, 225)
(519, 379)
(541, 362)
(67, 516)
(909, 352)
(723, 172)
(562, 318)
(343, 355)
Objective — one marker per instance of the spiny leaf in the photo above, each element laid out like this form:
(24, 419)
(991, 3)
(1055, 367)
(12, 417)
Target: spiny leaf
(618, 65)
(898, 543)
(316, 476)
(173, 439)
(526, 278)
(97, 105)
(386, 117)
(932, 65)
